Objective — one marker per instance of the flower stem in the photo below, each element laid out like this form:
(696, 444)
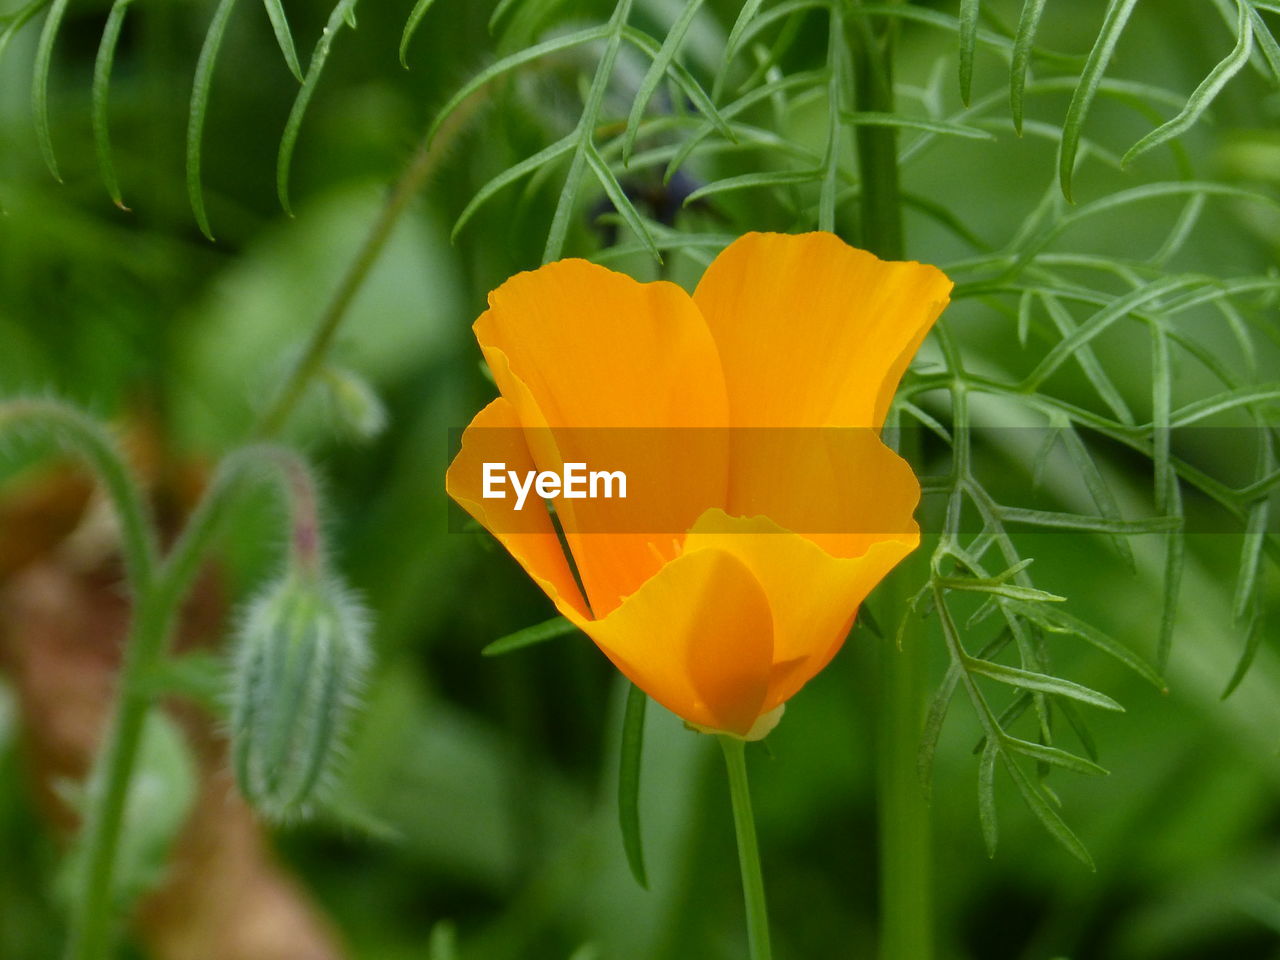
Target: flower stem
(422, 165)
(906, 921)
(748, 849)
(906, 907)
(156, 610)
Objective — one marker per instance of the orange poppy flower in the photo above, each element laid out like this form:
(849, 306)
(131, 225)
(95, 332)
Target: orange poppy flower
(773, 545)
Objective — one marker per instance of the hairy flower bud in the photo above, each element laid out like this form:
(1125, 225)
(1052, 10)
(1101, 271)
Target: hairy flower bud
(299, 666)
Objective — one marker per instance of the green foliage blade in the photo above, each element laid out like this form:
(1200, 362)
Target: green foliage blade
(969, 10)
(748, 13)
(506, 64)
(1204, 94)
(621, 202)
(284, 36)
(40, 84)
(987, 795)
(509, 176)
(1113, 24)
(1023, 43)
(870, 118)
(657, 70)
(1056, 757)
(684, 80)
(200, 107)
(1041, 682)
(1175, 550)
(101, 99)
(538, 633)
(1057, 620)
(1043, 809)
(629, 764)
(411, 27)
(340, 16)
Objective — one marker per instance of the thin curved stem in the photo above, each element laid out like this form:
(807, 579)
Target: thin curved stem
(425, 160)
(748, 848)
(94, 443)
(154, 617)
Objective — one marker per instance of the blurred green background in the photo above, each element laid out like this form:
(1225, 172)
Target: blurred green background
(491, 781)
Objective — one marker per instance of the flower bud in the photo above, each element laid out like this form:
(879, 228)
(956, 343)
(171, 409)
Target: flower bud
(356, 406)
(299, 665)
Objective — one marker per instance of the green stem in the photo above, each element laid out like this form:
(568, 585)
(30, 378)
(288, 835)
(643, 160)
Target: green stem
(735, 759)
(424, 162)
(880, 198)
(906, 907)
(906, 864)
(94, 443)
(155, 614)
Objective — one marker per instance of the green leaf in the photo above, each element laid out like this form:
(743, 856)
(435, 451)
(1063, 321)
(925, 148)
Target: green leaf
(987, 795)
(1055, 757)
(1088, 361)
(340, 16)
(968, 44)
(1011, 591)
(1247, 583)
(618, 197)
(629, 764)
(1023, 42)
(507, 64)
(585, 132)
(657, 70)
(1010, 715)
(1099, 490)
(1175, 550)
(747, 100)
(499, 11)
(1041, 682)
(1266, 43)
(748, 13)
(538, 633)
(40, 84)
(1222, 402)
(1252, 643)
(1080, 727)
(1204, 94)
(200, 107)
(101, 97)
(15, 21)
(684, 80)
(1095, 67)
(1116, 310)
(939, 705)
(868, 118)
(1161, 402)
(411, 27)
(1086, 523)
(749, 181)
(1045, 813)
(511, 175)
(1057, 620)
(284, 36)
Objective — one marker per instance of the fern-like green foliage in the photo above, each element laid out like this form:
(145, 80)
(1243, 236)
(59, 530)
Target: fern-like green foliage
(1057, 297)
(1060, 296)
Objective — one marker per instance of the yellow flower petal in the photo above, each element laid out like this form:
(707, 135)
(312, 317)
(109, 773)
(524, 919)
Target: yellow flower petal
(840, 487)
(813, 596)
(697, 637)
(528, 534)
(575, 346)
(813, 332)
